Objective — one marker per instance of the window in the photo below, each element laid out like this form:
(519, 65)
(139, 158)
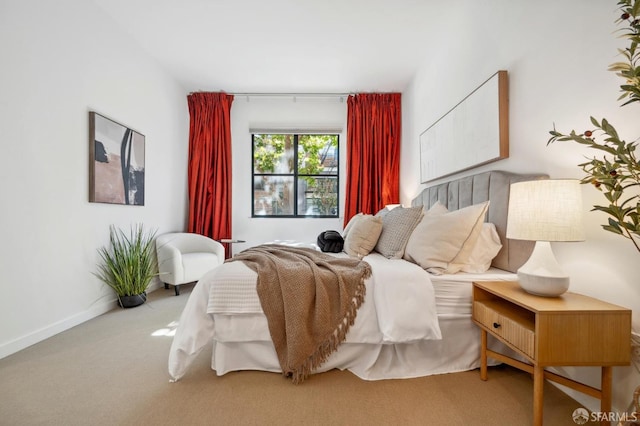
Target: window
(295, 175)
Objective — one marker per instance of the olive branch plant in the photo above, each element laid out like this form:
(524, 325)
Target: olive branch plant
(617, 172)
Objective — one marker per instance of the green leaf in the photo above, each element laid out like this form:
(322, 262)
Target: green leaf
(619, 66)
(615, 225)
(620, 189)
(612, 229)
(128, 264)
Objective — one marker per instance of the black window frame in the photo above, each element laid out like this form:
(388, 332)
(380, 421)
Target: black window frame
(295, 176)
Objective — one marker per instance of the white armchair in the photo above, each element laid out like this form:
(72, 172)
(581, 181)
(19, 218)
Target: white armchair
(185, 257)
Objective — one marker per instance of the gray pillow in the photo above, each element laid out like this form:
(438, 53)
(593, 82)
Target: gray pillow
(397, 226)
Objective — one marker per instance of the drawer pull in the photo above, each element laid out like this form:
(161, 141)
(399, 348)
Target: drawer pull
(496, 325)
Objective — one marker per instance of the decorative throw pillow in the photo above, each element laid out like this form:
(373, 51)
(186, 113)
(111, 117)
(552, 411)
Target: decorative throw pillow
(437, 208)
(382, 212)
(363, 235)
(330, 241)
(386, 209)
(352, 221)
(485, 249)
(397, 225)
(442, 243)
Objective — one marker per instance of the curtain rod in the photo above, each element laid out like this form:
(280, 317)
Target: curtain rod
(301, 95)
(293, 94)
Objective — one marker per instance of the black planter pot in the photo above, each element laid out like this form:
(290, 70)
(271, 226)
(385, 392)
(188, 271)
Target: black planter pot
(132, 301)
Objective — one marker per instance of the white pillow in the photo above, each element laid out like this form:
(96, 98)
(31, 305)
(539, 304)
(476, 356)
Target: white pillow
(437, 208)
(442, 243)
(363, 235)
(485, 249)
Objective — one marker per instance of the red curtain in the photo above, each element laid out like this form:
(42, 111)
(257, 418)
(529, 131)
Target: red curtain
(210, 164)
(373, 152)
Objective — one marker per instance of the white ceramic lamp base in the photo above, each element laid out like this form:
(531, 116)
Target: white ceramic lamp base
(542, 275)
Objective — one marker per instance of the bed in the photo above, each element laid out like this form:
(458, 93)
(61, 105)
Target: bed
(415, 319)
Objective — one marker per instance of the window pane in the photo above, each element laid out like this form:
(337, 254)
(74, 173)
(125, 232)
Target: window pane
(318, 196)
(273, 154)
(318, 154)
(273, 196)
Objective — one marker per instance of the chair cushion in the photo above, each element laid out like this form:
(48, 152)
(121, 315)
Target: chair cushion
(197, 264)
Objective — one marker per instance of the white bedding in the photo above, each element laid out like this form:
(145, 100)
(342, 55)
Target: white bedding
(454, 291)
(458, 350)
(223, 308)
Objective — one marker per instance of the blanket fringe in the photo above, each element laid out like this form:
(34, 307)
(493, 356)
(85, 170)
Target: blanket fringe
(301, 263)
(331, 343)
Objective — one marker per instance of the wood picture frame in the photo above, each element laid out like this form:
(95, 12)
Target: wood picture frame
(474, 132)
(116, 162)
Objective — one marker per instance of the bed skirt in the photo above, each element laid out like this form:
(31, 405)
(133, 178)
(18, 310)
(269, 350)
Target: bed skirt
(459, 350)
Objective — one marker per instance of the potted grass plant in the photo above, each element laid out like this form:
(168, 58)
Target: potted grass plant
(128, 264)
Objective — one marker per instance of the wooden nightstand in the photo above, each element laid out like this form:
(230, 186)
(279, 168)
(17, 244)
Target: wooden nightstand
(572, 329)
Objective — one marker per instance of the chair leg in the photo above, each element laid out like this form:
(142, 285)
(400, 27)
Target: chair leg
(177, 288)
(166, 286)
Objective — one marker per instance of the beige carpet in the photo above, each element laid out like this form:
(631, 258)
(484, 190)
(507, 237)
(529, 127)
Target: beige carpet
(112, 370)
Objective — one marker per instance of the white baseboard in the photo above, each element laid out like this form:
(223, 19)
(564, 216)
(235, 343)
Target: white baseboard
(23, 342)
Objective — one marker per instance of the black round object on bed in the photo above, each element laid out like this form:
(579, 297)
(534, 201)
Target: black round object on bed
(330, 241)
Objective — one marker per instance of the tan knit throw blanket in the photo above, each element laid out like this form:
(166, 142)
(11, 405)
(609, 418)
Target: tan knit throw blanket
(310, 300)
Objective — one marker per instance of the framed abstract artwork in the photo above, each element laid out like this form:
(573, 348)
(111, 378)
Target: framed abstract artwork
(472, 133)
(116, 163)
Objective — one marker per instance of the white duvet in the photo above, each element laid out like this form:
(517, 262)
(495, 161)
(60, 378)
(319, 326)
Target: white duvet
(399, 307)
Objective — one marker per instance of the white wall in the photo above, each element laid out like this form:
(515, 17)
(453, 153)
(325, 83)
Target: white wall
(60, 60)
(280, 113)
(557, 54)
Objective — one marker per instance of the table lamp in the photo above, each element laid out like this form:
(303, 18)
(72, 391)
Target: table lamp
(544, 211)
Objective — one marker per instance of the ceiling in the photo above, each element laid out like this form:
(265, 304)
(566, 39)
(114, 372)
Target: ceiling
(282, 46)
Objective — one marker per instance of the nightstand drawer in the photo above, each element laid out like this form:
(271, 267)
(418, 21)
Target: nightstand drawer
(516, 328)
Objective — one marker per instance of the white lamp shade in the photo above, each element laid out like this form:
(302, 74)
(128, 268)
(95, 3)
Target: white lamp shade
(546, 210)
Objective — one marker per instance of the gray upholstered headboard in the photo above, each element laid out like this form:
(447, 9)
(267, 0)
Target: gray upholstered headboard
(493, 186)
